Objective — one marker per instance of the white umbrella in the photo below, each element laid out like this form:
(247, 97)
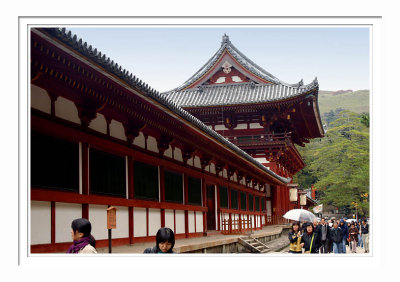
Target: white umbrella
(300, 215)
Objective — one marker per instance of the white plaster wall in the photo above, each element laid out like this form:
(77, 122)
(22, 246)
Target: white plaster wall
(65, 214)
(199, 221)
(252, 221)
(207, 168)
(169, 219)
(140, 141)
(40, 99)
(241, 126)
(117, 130)
(152, 144)
(99, 124)
(98, 219)
(191, 221)
(178, 154)
(139, 222)
(255, 125)
(212, 168)
(197, 162)
(268, 206)
(122, 230)
(268, 190)
(154, 221)
(262, 160)
(168, 152)
(66, 109)
(225, 173)
(190, 161)
(180, 221)
(220, 127)
(40, 222)
(235, 177)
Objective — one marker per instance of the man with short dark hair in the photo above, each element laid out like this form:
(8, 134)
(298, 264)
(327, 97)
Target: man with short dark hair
(336, 236)
(365, 235)
(324, 232)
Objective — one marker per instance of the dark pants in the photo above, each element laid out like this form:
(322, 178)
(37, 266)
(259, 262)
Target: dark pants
(325, 247)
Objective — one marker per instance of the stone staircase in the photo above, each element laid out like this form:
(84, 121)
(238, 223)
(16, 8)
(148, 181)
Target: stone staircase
(253, 245)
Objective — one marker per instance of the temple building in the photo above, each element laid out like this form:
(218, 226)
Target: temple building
(215, 155)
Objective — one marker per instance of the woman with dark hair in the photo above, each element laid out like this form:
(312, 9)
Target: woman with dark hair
(311, 240)
(84, 242)
(165, 241)
(295, 238)
(353, 238)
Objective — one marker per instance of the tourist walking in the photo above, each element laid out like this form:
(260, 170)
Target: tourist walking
(310, 239)
(324, 232)
(336, 236)
(295, 238)
(84, 242)
(360, 241)
(165, 241)
(345, 231)
(365, 235)
(353, 237)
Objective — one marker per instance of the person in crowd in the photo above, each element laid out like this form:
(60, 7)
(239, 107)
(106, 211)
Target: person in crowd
(324, 234)
(310, 239)
(304, 226)
(84, 242)
(317, 228)
(330, 223)
(360, 241)
(165, 241)
(365, 235)
(353, 237)
(336, 236)
(295, 238)
(345, 231)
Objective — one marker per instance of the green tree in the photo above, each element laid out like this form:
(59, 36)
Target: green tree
(338, 164)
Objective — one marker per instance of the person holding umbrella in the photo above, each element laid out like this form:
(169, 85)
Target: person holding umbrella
(295, 239)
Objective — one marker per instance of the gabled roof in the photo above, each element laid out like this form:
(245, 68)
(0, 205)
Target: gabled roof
(105, 62)
(249, 65)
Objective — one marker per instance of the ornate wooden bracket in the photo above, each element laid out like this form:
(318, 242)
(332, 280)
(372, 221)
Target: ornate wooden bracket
(87, 111)
(187, 153)
(132, 130)
(219, 166)
(205, 161)
(163, 143)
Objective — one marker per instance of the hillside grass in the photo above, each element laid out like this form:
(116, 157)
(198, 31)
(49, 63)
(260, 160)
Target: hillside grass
(357, 101)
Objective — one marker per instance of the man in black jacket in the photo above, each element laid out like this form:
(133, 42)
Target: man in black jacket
(336, 236)
(324, 231)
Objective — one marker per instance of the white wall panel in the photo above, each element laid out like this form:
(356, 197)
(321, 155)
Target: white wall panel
(40, 222)
(199, 221)
(66, 109)
(99, 124)
(168, 152)
(40, 99)
(169, 219)
(154, 221)
(98, 219)
(178, 154)
(241, 126)
(139, 222)
(140, 141)
(122, 230)
(117, 130)
(65, 214)
(180, 221)
(197, 162)
(191, 221)
(212, 168)
(152, 144)
(269, 210)
(225, 173)
(220, 127)
(255, 125)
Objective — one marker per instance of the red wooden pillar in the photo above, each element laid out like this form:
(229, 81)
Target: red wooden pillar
(162, 195)
(240, 209)
(204, 202)
(131, 193)
(185, 187)
(218, 210)
(85, 178)
(229, 207)
(53, 222)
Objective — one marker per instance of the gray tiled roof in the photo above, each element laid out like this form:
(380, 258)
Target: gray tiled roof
(241, 58)
(109, 65)
(232, 94)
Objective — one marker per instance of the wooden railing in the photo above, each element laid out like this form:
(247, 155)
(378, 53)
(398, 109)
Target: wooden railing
(260, 139)
(229, 226)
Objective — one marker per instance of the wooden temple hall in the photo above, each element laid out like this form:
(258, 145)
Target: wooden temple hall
(214, 155)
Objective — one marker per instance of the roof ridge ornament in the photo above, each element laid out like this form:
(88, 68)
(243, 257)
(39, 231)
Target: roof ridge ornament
(225, 39)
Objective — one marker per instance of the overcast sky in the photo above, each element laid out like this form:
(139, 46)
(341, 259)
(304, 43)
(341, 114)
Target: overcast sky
(165, 57)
